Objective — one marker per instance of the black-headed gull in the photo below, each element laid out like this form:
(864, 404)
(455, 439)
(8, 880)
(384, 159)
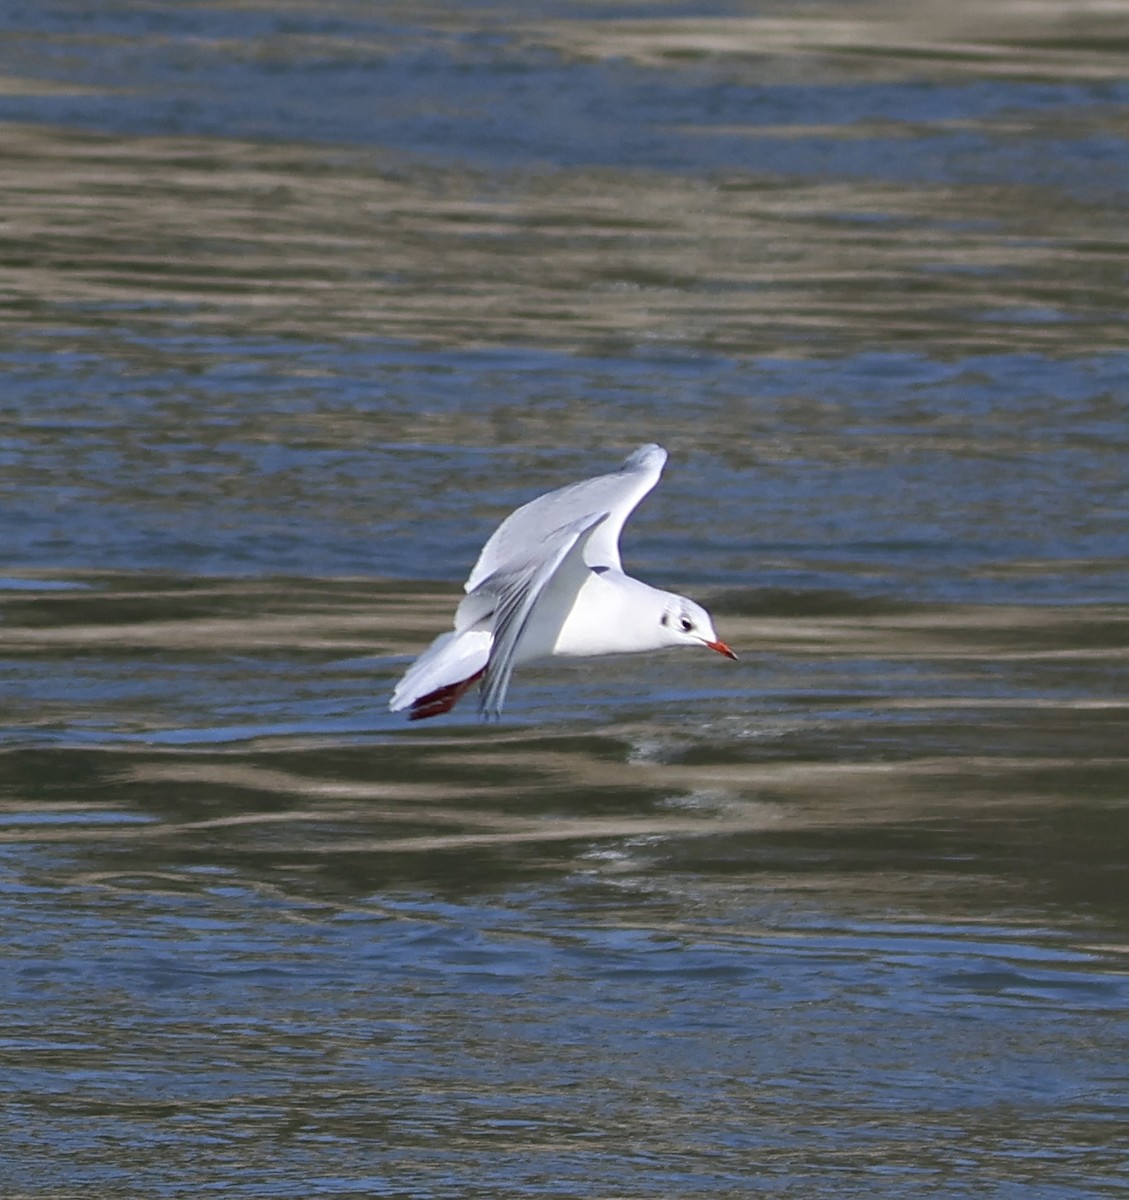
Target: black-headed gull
(549, 583)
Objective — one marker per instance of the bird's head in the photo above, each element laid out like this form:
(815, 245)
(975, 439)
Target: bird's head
(685, 623)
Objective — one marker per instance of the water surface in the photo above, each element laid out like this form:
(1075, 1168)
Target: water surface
(299, 300)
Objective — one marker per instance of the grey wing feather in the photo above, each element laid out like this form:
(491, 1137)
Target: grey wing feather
(517, 595)
(615, 495)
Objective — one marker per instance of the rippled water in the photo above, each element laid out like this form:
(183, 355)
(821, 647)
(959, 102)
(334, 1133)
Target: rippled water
(298, 300)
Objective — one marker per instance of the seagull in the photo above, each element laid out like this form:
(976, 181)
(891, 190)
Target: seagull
(550, 584)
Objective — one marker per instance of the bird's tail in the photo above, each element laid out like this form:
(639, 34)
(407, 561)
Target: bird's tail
(450, 666)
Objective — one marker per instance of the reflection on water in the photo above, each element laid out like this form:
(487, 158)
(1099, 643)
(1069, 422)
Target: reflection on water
(876, 869)
(269, 239)
(786, 182)
(299, 300)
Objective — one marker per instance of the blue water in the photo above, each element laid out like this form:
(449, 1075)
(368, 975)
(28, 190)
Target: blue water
(489, 86)
(300, 301)
(1008, 473)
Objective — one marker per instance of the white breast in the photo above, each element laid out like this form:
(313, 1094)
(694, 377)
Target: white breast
(612, 614)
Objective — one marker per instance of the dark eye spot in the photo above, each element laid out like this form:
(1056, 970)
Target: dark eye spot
(686, 624)
(665, 619)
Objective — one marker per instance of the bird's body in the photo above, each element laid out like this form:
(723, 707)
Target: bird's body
(549, 584)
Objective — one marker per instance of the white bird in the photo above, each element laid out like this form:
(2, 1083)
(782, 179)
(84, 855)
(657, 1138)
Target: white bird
(549, 583)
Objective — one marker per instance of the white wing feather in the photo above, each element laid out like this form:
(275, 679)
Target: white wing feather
(550, 581)
(529, 574)
(522, 533)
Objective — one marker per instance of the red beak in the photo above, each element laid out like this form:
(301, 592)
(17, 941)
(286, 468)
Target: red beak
(721, 648)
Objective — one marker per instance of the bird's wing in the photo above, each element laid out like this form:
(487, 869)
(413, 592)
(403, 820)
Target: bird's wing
(522, 533)
(556, 572)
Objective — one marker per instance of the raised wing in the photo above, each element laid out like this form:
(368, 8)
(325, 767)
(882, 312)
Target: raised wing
(553, 576)
(520, 535)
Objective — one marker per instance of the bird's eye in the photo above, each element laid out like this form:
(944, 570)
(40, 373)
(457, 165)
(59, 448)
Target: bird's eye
(686, 624)
(664, 619)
